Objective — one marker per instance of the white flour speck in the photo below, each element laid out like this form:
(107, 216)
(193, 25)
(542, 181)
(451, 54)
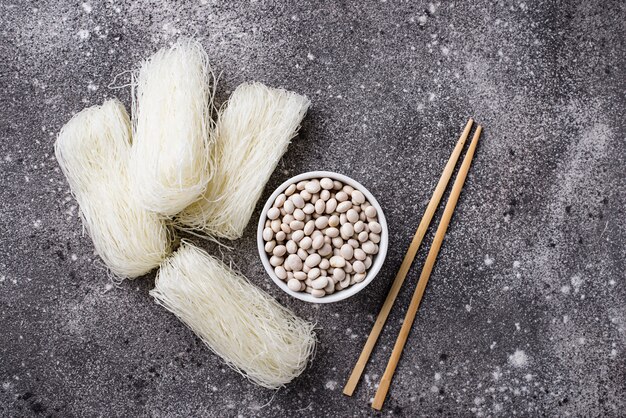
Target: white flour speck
(331, 385)
(576, 281)
(445, 51)
(565, 289)
(37, 223)
(516, 264)
(488, 260)
(83, 34)
(518, 359)
(310, 56)
(87, 7)
(437, 376)
(74, 257)
(92, 87)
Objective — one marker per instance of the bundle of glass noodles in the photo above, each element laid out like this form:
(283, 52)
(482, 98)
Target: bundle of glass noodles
(176, 172)
(252, 134)
(93, 150)
(172, 104)
(238, 321)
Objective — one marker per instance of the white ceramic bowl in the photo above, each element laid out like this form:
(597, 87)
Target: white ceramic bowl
(377, 262)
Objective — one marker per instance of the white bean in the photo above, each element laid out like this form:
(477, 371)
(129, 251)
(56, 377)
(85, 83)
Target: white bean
(273, 213)
(313, 274)
(302, 254)
(347, 251)
(268, 234)
(337, 261)
(294, 262)
(305, 243)
(359, 254)
(370, 211)
(320, 206)
(369, 247)
(326, 183)
(299, 215)
(332, 232)
(294, 285)
(318, 242)
(318, 293)
(321, 222)
(276, 261)
(297, 200)
(301, 184)
(357, 197)
(279, 250)
(289, 206)
(320, 283)
(352, 215)
(359, 277)
(347, 230)
(297, 236)
(296, 225)
(313, 186)
(313, 260)
(290, 190)
(375, 227)
(280, 236)
(324, 264)
(299, 275)
(331, 205)
(333, 220)
(325, 250)
(358, 266)
(344, 206)
(281, 273)
(280, 200)
(269, 246)
(375, 238)
(363, 236)
(291, 247)
(308, 209)
(341, 196)
(309, 227)
(324, 195)
(306, 195)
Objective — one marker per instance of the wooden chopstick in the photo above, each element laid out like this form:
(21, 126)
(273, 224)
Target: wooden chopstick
(406, 263)
(385, 381)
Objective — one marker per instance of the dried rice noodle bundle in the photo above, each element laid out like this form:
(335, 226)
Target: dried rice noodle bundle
(172, 105)
(93, 150)
(238, 321)
(253, 132)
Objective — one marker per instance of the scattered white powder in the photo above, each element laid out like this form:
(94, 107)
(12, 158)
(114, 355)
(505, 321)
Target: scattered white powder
(468, 308)
(87, 7)
(331, 385)
(516, 264)
(434, 389)
(37, 223)
(517, 326)
(310, 56)
(437, 376)
(74, 257)
(565, 289)
(92, 87)
(488, 260)
(445, 51)
(422, 19)
(528, 377)
(576, 281)
(518, 359)
(83, 34)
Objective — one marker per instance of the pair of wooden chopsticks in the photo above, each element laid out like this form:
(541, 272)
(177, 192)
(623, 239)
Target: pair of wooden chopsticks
(385, 382)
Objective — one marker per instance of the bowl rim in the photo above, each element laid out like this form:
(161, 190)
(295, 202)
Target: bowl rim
(376, 264)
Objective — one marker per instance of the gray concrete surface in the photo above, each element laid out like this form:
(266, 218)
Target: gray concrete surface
(525, 313)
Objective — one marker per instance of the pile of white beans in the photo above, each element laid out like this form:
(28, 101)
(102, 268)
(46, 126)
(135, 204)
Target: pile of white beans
(321, 236)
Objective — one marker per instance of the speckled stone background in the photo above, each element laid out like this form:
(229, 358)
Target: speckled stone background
(525, 313)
